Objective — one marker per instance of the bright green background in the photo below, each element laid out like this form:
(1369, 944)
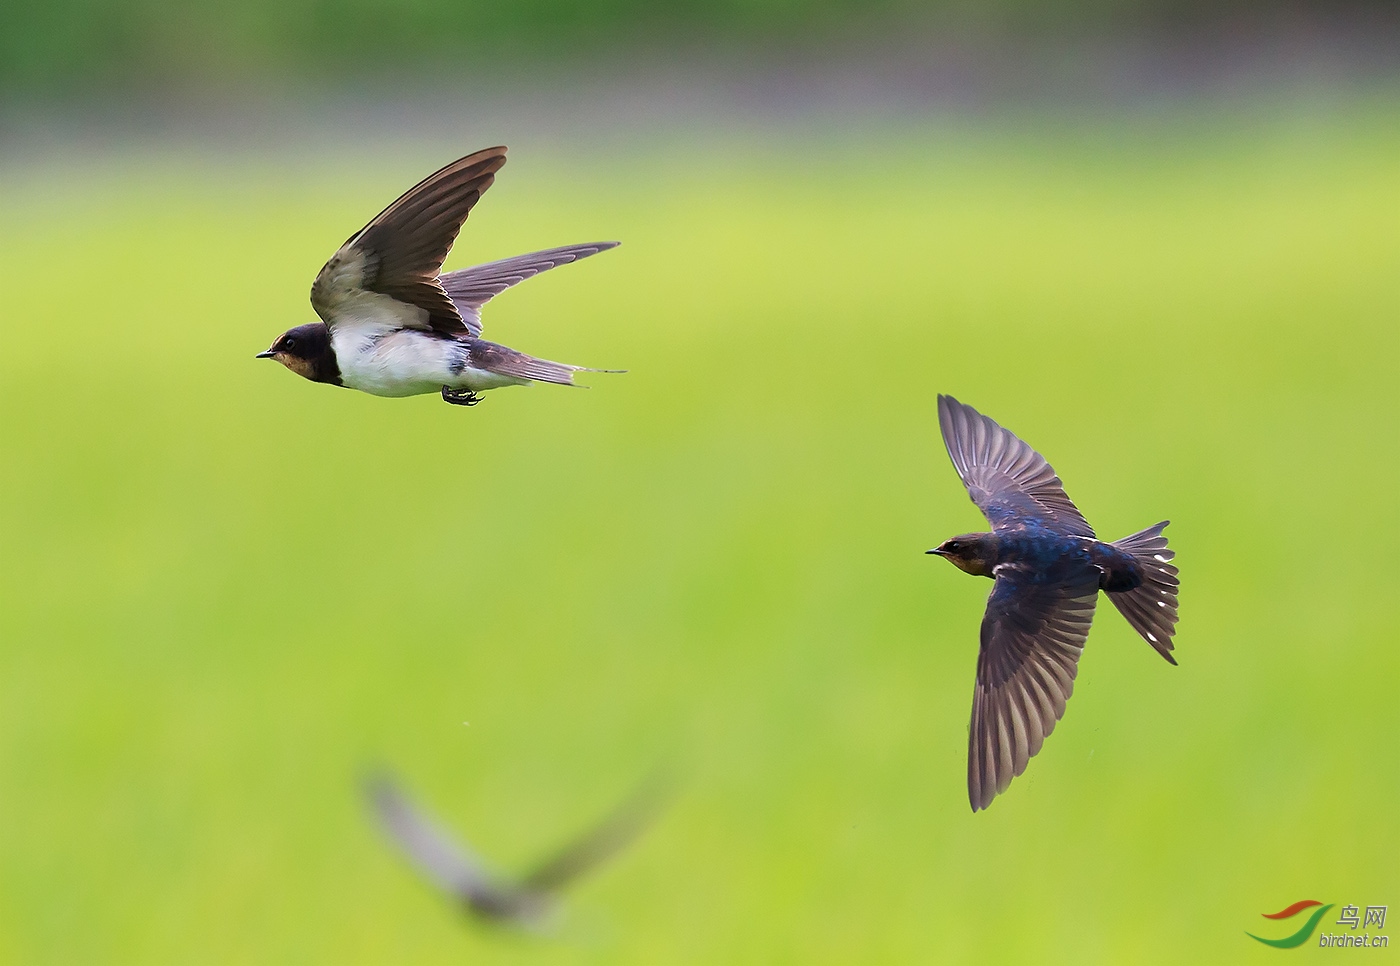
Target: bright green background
(224, 591)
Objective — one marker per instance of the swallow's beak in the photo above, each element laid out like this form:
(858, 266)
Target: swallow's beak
(937, 550)
(268, 354)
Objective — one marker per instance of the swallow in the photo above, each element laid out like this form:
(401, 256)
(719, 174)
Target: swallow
(1048, 569)
(526, 902)
(391, 326)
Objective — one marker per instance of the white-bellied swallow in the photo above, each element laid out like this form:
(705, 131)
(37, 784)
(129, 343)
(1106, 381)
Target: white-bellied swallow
(1049, 568)
(391, 326)
(527, 901)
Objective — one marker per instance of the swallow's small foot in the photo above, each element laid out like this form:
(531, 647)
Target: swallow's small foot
(460, 397)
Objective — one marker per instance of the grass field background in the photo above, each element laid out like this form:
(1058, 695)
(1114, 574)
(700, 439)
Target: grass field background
(225, 591)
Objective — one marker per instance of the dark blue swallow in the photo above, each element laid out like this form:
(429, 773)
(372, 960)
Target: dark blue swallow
(1049, 568)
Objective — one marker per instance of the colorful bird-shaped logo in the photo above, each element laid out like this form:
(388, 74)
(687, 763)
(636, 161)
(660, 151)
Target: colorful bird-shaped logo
(1302, 935)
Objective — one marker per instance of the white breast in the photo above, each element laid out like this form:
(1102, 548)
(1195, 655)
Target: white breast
(378, 357)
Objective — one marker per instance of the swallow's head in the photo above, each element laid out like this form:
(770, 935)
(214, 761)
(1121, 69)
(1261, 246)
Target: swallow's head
(973, 553)
(305, 350)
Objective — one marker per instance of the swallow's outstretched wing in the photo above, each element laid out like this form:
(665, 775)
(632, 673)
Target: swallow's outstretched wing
(471, 288)
(398, 255)
(1032, 636)
(599, 843)
(432, 849)
(1011, 483)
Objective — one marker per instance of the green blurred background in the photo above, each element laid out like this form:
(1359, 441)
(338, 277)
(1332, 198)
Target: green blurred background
(73, 46)
(224, 591)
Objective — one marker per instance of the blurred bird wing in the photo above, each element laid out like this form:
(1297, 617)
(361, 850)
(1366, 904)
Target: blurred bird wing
(398, 255)
(1032, 636)
(1009, 481)
(596, 845)
(430, 848)
(471, 288)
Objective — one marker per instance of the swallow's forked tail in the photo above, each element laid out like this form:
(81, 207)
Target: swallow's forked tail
(1151, 606)
(508, 362)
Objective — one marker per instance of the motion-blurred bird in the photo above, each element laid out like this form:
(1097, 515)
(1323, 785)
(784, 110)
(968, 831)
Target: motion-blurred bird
(527, 901)
(1049, 569)
(392, 327)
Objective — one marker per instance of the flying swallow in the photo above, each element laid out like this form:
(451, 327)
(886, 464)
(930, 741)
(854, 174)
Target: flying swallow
(391, 326)
(527, 901)
(1049, 568)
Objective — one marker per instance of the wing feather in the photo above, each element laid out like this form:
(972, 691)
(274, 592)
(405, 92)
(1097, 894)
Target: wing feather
(400, 252)
(1011, 483)
(436, 854)
(603, 840)
(1032, 636)
(471, 288)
